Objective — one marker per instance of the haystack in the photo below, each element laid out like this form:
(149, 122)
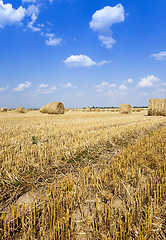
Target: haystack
(156, 107)
(125, 108)
(53, 108)
(97, 109)
(20, 110)
(3, 109)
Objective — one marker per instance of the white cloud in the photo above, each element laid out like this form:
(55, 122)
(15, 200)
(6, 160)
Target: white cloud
(3, 88)
(122, 87)
(82, 61)
(53, 88)
(103, 19)
(108, 42)
(104, 86)
(53, 41)
(9, 15)
(67, 85)
(35, 1)
(130, 80)
(162, 90)
(40, 25)
(79, 61)
(51, 35)
(22, 86)
(42, 88)
(34, 29)
(50, 90)
(43, 85)
(159, 56)
(33, 11)
(29, 1)
(148, 81)
(103, 62)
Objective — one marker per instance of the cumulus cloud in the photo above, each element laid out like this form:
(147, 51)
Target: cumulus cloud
(53, 41)
(122, 87)
(82, 61)
(79, 61)
(22, 86)
(3, 88)
(149, 81)
(103, 19)
(104, 86)
(43, 85)
(9, 15)
(159, 56)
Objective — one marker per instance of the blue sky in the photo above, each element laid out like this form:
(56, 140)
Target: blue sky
(82, 52)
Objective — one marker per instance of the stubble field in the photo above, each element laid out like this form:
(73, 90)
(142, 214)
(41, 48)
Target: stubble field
(96, 175)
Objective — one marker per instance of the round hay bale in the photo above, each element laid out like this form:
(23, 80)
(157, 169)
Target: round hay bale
(97, 109)
(20, 110)
(156, 107)
(43, 109)
(53, 108)
(9, 110)
(3, 109)
(125, 108)
(88, 109)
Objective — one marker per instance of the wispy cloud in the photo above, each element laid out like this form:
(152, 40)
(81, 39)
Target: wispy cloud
(43, 85)
(51, 35)
(33, 11)
(52, 41)
(103, 62)
(67, 85)
(104, 86)
(159, 56)
(22, 86)
(3, 88)
(43, 88)
(130, 80)
(123, 87)
(29, 1)
(103, 19)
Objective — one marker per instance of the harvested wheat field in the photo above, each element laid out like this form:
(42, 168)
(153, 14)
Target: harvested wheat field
(82, 175)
